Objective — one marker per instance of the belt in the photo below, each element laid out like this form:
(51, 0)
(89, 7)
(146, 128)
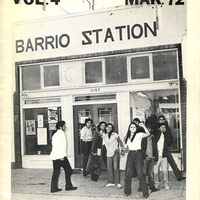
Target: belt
(136, 150)
(87, 141)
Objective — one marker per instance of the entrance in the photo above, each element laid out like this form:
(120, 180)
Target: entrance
(97, 112)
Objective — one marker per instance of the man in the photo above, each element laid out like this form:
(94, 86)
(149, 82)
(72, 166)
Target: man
(164, 140)
(59, 157)
(149, 146)
(170, 159)
(86, 136)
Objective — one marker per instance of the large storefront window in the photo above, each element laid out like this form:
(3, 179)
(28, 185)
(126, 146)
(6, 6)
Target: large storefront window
(39, 126)
(149, 105)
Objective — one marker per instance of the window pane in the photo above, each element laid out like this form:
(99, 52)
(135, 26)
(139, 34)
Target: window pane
(31, 128)
(165, 65)
(51, 76)
(116, 70)
(31, 78)
(140, 67)
(93, 72)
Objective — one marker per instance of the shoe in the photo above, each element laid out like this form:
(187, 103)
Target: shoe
(155, 189)
(139, 189)
(110, 184)
(157, 185)
(85, 174)
(71, 188)
(56, 190)
(145, 197)
(167, 186)
(119, 185)
(94, 179)
(181, 178)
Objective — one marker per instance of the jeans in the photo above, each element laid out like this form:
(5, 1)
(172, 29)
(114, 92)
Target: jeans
(135, 163)
(164, 164)
(148, 171)
(113, 168)
(104, 155)
(173, 165)
(86, 147)
(57, 164)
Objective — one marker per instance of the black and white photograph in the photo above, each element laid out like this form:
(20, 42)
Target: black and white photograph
(102, 100)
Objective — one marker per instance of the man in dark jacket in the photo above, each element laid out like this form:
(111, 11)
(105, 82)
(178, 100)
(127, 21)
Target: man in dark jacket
(170, 159)
(164, 139)
(149, 147)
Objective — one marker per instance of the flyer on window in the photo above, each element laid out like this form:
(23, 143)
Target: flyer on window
(119, 62)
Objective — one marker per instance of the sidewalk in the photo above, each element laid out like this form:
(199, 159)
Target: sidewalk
(34, 184)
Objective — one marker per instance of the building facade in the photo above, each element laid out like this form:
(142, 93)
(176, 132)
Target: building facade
(111, 65)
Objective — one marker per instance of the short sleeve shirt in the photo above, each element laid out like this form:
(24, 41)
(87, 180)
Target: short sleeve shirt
(136, 143)
(111, 143)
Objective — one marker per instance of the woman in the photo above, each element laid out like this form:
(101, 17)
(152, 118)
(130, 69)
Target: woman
(94, 163)
(134, 163)
(86, 137)
(112, 142)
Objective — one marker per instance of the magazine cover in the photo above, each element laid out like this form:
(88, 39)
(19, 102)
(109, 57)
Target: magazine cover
(99, 99)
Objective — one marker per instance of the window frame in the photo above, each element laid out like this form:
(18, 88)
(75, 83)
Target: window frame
(150, 79)
(103, 73)
(42, 76)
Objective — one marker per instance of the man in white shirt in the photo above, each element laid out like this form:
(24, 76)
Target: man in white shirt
(86, 137)
(59, 157)
(164, 139)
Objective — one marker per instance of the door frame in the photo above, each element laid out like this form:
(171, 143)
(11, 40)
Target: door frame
(94, 110)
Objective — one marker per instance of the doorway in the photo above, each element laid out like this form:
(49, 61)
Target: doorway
(97, 112)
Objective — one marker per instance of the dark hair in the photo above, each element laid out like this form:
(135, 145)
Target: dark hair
(60, 124)
(129, 132)
(162, 117)
(99, 126)
(161, 124)
(109, 134)
(87, 120)
(137, 120)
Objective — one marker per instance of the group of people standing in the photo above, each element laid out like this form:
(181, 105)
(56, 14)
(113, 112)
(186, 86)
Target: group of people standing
(147, 149)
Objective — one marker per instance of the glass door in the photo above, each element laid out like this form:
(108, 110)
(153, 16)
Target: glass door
(97, 112)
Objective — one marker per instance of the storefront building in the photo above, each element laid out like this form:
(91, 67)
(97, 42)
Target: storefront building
(110, 65)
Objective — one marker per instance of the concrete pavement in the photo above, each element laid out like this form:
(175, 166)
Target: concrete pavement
(34, 184)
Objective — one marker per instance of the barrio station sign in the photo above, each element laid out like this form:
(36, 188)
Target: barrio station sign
(88, 37)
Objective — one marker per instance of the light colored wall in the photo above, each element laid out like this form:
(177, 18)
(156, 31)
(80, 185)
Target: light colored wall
(123, 108)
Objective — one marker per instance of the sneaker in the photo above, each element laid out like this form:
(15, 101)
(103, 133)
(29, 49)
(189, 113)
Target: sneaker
(110, 185)
(166, 186)
(119, 185)
(157, 185)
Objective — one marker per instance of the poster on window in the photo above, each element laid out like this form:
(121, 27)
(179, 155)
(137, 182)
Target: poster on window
(41, 136)
(40, 121)
(52, 115)
(30, 127)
